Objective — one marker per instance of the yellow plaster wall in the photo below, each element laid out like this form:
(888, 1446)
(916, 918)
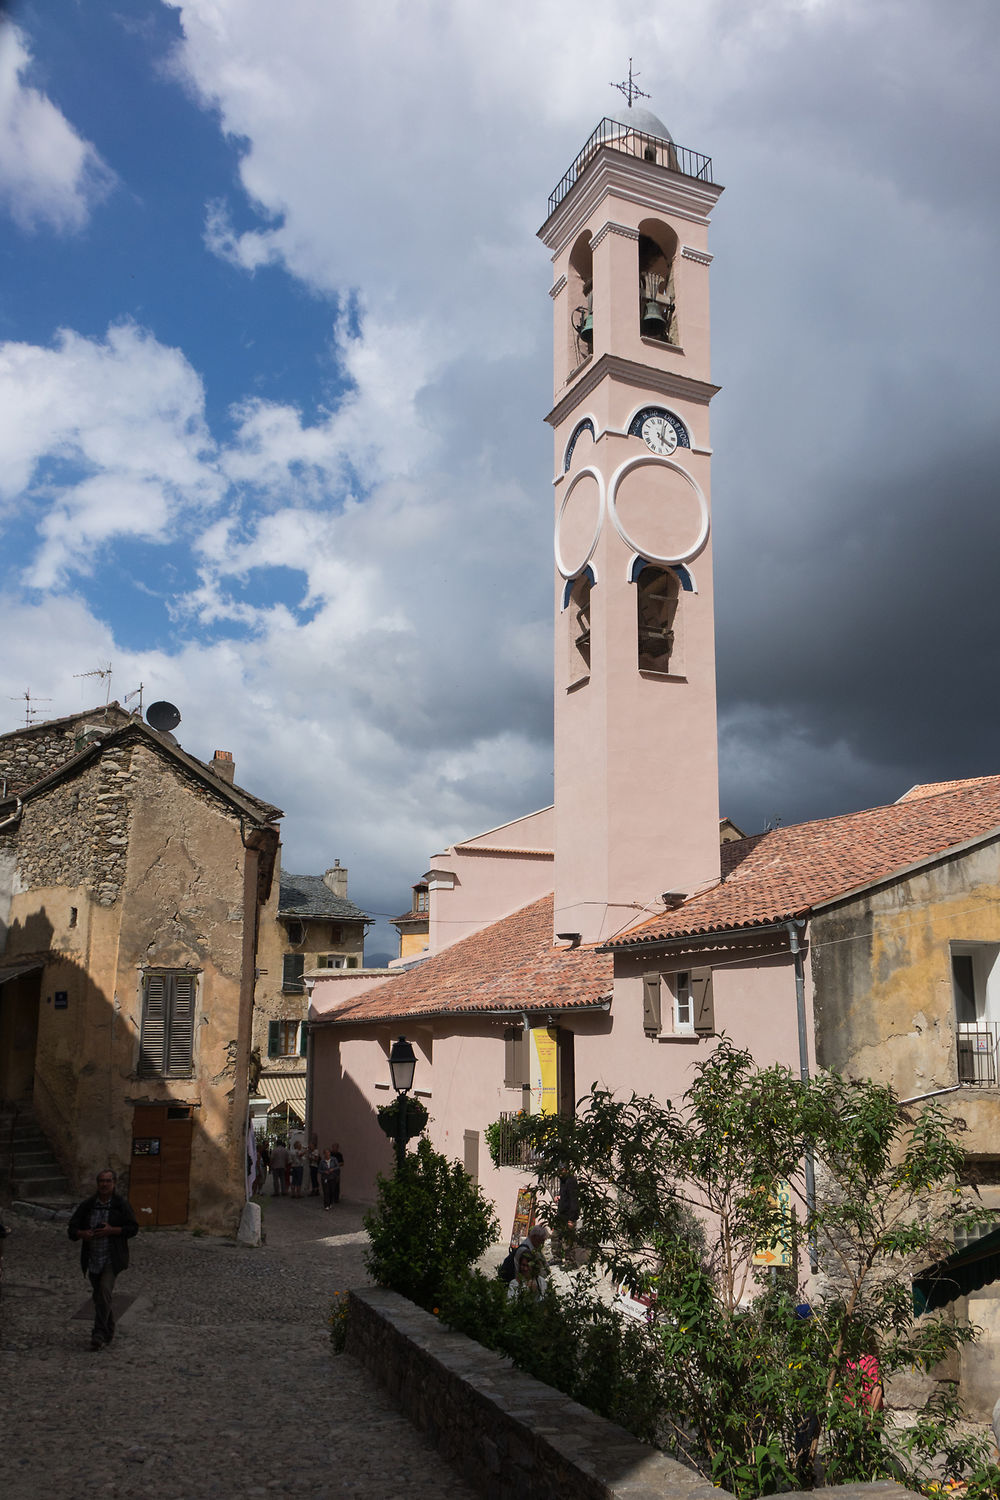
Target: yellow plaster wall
(885, 1009)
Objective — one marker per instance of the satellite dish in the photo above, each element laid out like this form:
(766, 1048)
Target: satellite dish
(163, 716)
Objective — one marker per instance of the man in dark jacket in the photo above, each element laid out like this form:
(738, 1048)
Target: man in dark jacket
(103, 1224)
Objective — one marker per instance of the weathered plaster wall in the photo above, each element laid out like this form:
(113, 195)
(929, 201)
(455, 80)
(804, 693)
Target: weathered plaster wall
(881, 966)
(183, 909)
(885, 1009)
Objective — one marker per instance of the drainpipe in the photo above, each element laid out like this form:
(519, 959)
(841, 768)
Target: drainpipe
(800, 1016)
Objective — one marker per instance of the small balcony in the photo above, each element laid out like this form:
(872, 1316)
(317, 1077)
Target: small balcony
(977, 1054)
(617, 136)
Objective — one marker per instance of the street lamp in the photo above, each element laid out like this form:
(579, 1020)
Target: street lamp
(402, 1063)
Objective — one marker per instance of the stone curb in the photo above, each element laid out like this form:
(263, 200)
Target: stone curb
(510, 1436)
(40, 1211)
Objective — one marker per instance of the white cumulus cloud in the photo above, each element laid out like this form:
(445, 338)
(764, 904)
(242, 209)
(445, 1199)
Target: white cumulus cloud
(49, 175)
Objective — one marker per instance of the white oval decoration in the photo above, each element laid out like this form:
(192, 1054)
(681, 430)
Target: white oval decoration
(601, 501)
(669, 463)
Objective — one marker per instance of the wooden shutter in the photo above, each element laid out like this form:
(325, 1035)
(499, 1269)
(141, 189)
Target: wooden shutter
(153, 1035)
(180, 1032)
(273, 1039)
(651, 1002)
(702, 1003)
(514, 1070)
(292, 968)
(565, 1071)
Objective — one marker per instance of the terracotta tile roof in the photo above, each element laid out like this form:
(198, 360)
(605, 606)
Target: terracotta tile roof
(788, 871)
(511, 965)
(931, 788)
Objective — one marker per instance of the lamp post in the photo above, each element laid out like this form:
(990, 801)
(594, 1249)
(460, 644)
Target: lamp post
(402, 1062)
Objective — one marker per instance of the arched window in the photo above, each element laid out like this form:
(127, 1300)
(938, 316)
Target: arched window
(657, 304)
(658, 622)
(578, 612)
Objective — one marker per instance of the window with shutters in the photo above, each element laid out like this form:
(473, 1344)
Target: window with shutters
(292, 968)
(286, 1038)
(166, 1038)
(694, 1009)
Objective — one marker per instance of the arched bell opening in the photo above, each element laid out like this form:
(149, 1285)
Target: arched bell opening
(657, 304)
(580, 301)
(577, 606)
(659, 621)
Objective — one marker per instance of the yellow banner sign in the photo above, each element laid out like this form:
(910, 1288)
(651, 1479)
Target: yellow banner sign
(543, 1071)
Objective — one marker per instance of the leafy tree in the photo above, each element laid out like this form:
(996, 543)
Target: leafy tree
(757, 1396)
(430, 1224)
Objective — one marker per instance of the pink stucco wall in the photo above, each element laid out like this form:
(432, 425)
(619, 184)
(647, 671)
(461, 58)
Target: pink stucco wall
(494, 874)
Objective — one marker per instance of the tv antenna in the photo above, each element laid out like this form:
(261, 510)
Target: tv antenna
(100, 672)
(29, 698)
(135, 693)
(630, 88)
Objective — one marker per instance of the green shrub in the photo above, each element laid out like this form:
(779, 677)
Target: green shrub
(429, 1225)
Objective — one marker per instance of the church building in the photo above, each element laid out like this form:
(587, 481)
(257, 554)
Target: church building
(612, 937)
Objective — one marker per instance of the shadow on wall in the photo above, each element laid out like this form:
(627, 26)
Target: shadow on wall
(343, 1113)
(70, 1055)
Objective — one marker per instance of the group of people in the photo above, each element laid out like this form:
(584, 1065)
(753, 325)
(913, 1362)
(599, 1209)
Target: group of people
(288, 1165)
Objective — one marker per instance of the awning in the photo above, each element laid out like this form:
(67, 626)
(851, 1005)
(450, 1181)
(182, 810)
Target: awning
(14, 971)
(284, 1088)
(968, 1270)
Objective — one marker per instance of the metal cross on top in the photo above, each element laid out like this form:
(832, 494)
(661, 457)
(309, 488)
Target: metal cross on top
(631, 89)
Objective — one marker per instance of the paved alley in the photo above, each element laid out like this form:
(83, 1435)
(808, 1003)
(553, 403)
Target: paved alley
(220, 1382)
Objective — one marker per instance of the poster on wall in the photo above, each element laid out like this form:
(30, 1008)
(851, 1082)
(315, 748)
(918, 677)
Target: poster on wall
(524, 1215)
(779, 1251)
(543, 1071)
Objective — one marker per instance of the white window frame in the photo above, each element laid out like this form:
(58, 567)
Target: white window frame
(683, 1003)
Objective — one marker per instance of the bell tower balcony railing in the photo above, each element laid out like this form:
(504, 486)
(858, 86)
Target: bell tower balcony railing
(616, 135)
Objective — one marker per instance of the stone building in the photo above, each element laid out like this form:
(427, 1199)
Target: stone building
(308, 927)
(132, 877)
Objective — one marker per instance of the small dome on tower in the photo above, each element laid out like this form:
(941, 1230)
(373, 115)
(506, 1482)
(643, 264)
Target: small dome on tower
(643, 120)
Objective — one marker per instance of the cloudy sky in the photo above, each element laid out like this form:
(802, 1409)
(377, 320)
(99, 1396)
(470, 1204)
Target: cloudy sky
(275, 350)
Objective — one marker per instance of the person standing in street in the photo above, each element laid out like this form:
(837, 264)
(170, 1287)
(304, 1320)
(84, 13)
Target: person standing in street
(279, 1164)
(104, 1224)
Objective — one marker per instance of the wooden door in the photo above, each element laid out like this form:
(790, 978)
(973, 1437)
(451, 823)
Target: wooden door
(160, 1175)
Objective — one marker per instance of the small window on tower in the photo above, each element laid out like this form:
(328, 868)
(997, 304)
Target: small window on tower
(579, 629)
(657, 622)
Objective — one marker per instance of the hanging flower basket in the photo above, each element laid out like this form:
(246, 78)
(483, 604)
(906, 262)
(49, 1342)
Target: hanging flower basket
(416, 1118)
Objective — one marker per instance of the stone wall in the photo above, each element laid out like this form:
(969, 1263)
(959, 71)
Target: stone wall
(26, 755)
(510, 1436)
(77, 833)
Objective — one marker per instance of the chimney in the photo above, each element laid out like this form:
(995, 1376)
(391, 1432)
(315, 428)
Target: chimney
(336, 879)
(223, 765)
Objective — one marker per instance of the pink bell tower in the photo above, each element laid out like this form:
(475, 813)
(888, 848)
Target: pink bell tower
(636, 766)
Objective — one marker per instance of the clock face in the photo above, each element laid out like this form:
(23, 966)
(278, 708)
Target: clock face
(660, 429)
(659, 434)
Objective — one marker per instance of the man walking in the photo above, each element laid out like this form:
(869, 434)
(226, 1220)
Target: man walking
(103, 1224)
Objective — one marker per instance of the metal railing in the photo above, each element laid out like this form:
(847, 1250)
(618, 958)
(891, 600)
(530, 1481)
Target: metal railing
(978, 1048)
(617, 136)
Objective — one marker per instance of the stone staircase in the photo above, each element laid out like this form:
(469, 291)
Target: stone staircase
(29, 1170)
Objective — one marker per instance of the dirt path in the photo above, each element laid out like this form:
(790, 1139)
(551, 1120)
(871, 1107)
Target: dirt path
(220, 1381)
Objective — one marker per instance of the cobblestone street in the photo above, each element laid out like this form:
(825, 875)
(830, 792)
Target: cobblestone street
(220, 1381)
